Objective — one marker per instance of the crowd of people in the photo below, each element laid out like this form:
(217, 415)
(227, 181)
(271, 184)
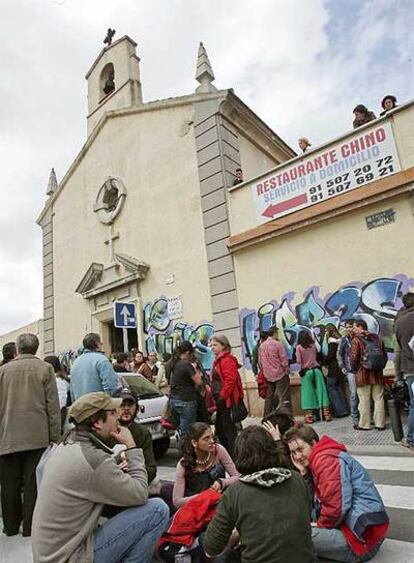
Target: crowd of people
(362, 115)
(98, 497)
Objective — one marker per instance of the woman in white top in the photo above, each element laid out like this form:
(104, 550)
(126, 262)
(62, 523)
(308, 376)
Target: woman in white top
(62, 383)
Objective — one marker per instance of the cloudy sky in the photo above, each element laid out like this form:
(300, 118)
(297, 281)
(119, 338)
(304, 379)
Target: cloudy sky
(302, 65)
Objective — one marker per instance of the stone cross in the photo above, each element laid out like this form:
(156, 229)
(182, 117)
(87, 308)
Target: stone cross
(112, 237)
(109, 35)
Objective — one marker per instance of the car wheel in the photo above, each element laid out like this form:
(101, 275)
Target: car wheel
(161, 446)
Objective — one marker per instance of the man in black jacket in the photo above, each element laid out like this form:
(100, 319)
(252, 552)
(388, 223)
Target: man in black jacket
(404, 364)
(140, 433)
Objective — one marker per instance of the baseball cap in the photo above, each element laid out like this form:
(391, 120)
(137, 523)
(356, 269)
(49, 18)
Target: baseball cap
(129, 395)
(89, 404)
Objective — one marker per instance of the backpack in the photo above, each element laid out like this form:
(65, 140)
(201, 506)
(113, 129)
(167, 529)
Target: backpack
(373, 357)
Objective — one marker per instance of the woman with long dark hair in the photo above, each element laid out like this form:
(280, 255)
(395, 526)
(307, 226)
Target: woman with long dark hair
(183, 394)
(335, 377)
(227, 390)
(62, 383)
(266, 493)
(203, 466)
(313, 393)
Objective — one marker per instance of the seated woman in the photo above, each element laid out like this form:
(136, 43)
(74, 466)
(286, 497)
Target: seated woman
(269, 506)
(204, 465)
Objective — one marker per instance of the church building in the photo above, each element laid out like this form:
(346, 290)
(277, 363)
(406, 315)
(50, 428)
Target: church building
(195, 211)
(142, 214)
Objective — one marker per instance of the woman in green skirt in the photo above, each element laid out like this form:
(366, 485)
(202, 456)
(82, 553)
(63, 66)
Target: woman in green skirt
(313, 393)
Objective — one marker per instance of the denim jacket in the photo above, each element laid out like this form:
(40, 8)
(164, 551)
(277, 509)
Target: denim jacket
(92, 372)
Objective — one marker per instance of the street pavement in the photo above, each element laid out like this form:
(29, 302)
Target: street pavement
(390, 465)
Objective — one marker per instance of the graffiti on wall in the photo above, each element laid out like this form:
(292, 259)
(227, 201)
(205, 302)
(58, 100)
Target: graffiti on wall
(376, 302)
(162, 334)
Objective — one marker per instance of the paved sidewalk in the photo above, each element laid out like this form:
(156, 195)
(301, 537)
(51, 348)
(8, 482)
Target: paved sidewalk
(341, 429)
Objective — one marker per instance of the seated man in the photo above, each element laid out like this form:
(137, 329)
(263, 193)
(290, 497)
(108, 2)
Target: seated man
(140, 433)
(351, 519)
(81, 477)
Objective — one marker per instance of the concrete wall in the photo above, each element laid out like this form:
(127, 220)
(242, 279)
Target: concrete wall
(254, 161)
(241, 205)
(328, 267)
(36, 327)
(153, 152)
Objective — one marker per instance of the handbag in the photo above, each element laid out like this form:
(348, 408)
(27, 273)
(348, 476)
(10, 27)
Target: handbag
(262, 385)
(168, 418)
(238, 412)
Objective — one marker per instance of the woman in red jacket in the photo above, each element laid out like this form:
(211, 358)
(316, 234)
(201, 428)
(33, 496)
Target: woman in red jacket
(227, 390)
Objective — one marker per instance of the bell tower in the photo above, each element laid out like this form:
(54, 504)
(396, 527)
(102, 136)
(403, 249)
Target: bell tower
(113, 80)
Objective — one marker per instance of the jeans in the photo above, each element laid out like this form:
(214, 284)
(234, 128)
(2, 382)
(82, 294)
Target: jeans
(226, 430)
(186, 413)
(131, 535)
(331, 544)
(336, 396)
(409, 379)
(353, 396)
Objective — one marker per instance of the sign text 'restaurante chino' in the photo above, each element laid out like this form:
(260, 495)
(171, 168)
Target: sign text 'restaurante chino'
(366, 156)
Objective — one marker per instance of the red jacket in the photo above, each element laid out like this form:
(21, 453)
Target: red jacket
(348, 497)
(192, 518)
(226, 369)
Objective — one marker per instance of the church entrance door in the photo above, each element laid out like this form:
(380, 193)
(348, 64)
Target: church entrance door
(116, 338)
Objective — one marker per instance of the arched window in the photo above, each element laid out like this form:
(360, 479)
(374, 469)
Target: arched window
(107, 80)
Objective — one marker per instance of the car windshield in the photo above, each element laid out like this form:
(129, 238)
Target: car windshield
(142, 387)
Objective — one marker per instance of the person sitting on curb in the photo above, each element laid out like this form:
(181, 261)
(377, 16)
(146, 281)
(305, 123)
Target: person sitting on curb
(140, 433)
(351, 521)
(269, 506)
(80, 477)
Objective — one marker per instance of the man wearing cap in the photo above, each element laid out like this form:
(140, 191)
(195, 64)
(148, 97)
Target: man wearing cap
(80, 478)
(140, 433)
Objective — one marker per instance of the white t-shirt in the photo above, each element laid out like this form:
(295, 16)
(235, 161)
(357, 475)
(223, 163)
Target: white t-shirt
(63, 388)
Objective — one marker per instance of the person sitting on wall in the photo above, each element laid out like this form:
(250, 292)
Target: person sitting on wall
(239, 177)
(388, 103)
(351, 521)
(304, 144)
(362, 115)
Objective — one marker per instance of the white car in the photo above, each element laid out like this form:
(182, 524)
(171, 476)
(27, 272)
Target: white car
(152, 404)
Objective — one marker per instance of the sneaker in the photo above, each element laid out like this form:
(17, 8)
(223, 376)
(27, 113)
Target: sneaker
(358, 427)
(407, 444)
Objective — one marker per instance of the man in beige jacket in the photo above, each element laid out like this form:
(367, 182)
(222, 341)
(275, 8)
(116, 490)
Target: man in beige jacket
(29, 422)
(80, 478)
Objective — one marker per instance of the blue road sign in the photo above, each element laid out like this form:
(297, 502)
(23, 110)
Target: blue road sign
(125, 315)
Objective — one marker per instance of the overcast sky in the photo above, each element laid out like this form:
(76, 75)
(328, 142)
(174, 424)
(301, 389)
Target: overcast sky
(302, 65)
